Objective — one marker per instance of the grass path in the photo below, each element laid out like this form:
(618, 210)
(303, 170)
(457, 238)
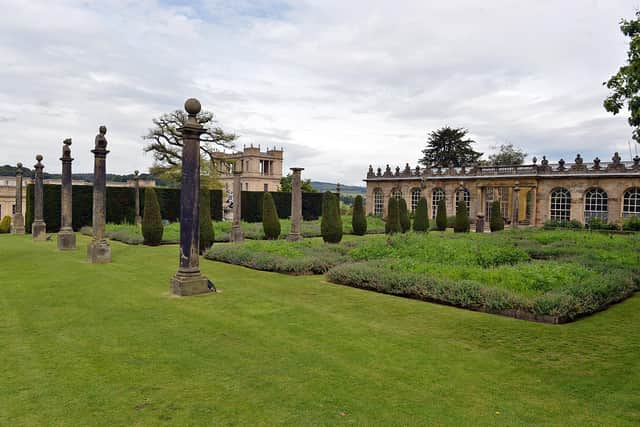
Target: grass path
(106, 345)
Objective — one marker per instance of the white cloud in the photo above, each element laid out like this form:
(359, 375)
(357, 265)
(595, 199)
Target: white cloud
(338, 84)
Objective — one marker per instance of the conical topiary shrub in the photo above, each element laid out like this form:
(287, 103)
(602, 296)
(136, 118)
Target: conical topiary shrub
(421, 216)
(392, 224)
(331, 222)
(403, 214)
(206, 227)
(497, 222)
(270, 220)
(461, 224)
(359, 220)
(152, 227)
(441, 215)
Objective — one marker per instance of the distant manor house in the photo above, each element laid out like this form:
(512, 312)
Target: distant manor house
(261, 170)
(529, 194)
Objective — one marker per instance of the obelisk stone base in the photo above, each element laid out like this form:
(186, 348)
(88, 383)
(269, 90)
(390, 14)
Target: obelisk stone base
(294, 237)
(99, 252)
(66, 240)
(17, 224)
(185, 285)
(237, 235)
(39, 231)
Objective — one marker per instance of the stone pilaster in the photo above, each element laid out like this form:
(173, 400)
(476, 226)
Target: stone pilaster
(38, 228)
(66, 236)
(236, 231)
(17, 222)
(136, 184)
(296, 204)
(515, 203)
(99, 251)
(188, 280)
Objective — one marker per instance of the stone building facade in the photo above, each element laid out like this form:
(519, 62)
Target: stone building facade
(531, 194)
(8, 190)
(261, 170)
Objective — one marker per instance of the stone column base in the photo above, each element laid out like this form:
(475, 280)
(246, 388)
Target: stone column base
(138, 220)
(294, 237)
(99, 252)
(186, 285)
(39, 231)
(17, 224)
(66, 240)
(236, 235)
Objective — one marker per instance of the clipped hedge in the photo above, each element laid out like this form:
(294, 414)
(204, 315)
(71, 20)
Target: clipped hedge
(441, 216)
(421, 217)
(5, 224)
(359, 219)
(251, 209)
(120, 205)
(152, 228)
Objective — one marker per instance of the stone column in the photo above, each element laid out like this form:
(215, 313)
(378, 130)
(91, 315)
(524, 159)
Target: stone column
(236, 231)
(188, 280)
(480, 223)
(136, 186)
(515, 210)
(534, 206)
(99, 251)
(38, 228)
(296, 205)
(66, 236)
(17, 222)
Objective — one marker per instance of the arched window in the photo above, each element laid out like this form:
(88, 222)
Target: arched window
(560, 205)
(416, 194)
(436, 196)
(378, 203)
(631, 202)
(595, 205)
(397, 193)
(463, 195)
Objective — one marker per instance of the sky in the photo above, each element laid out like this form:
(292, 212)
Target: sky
(339, 84)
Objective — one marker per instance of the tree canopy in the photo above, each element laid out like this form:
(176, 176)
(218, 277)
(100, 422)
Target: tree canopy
(285, 185)
(507, 155)
(625, 84)
(448, 145)
(166, 144)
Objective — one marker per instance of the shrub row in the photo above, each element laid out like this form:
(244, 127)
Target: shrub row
(562, 306)
(246, 256)
(120, 205)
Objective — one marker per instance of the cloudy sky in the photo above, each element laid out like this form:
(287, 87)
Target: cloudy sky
(339, 84)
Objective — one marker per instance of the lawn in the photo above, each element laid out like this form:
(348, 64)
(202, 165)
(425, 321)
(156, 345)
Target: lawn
(106, 345)
(553, 276)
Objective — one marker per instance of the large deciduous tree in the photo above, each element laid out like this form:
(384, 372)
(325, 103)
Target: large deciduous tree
(625, 84)
(165, 143)
(448, 145)
(286, 183)
(507, 155)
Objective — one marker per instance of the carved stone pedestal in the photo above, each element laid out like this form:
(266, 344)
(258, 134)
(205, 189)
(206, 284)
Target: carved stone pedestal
(39, 231)
(66, 240)
(185, 284)
(17, 224)
(99, 252)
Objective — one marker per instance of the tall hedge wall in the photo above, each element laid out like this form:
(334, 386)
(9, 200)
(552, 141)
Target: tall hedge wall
(252, 205)
(120, 205)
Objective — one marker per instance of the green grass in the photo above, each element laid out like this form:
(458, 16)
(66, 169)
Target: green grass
(105, 345)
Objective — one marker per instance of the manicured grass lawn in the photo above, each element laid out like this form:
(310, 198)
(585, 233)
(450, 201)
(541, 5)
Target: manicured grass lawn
(105, 345)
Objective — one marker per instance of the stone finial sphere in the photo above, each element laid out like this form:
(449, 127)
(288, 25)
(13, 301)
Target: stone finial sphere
(39, 157)
(67, 141)
(192, 106)
(136, 172)
(103, 129)
(19, 164)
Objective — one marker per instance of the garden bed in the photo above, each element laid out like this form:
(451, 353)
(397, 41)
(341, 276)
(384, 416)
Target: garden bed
(548, 276)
